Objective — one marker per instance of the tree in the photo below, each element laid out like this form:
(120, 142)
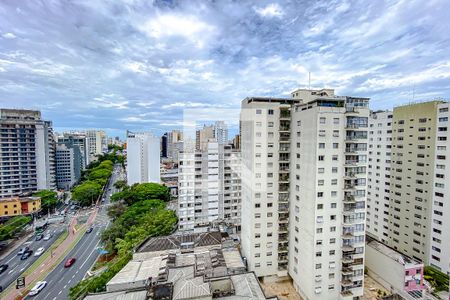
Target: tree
(99, 174)
(13, 226)
(49, 199)
(120, 184)
(86, 192)
(116, 209)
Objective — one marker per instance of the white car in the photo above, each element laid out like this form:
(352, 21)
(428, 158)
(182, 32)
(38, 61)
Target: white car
(40, 285)
(39, 251)
(47, 236)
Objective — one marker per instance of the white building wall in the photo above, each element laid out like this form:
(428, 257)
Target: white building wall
(440, 223)
(327, 203)
(379, 167)
(143, 158)
(41, 161)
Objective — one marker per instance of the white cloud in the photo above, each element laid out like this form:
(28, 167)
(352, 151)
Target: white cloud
(9, 36)
(178, 25)
(110, 101)
(270, 11)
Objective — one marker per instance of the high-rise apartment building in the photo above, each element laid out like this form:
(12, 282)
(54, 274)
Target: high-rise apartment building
(174, 143)
(407, 199)
(65, 166)
(328, 194)
(209, 187)
(27, 162)
(203, 136)
(143, 158)
(439, 249)
(220, 132)
(81, 143)
(98, 142)
(379, 174)
(414, 131)
(265, 149)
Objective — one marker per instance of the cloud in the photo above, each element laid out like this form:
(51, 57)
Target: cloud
(136, 64)
(9, 36)
(272, 10)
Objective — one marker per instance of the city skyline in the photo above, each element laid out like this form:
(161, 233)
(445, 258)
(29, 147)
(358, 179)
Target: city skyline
(142, 64)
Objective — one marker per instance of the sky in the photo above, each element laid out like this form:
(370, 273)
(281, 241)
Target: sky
(145, 65)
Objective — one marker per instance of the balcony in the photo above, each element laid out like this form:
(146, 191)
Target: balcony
(346, 282)
(348, 248)
(283, 177)
(349, 199)
(347, 259)
(346, 293)
(285, 114)
(356, 126)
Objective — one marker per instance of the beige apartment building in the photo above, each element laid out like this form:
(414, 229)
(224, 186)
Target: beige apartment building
(412, 175)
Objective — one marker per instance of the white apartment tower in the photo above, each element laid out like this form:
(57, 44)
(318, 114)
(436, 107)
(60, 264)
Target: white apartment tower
(209, 187)
(143, 158)
(265, 150)
(328, 195)
(379, 175)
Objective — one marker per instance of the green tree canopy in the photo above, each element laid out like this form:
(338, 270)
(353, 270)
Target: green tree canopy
(49, 199)
(120, 184)
(13, 226)
(141, 192)
(87, 192)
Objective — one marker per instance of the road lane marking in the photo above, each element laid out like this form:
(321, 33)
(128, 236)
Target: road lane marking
(59, 293)
(69, 281)
(95, 248)
(65, 286)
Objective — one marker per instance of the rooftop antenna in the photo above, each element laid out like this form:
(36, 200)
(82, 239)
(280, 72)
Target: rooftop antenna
(309, 80)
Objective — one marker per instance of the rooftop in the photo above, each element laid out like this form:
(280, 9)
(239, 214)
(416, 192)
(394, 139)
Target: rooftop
(391, 253)
(211, 269)
(181, 241)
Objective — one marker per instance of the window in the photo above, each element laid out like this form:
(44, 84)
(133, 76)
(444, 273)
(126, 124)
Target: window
(270, 124)
(321, 158)
(335, 120)
(322, 120)
(335, 145)
(258, 111)
(270, 111)
(321, 145)
(321, 170)
(444, 109)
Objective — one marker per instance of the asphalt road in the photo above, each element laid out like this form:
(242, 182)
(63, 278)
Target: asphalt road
(17, 266)
(61, 279)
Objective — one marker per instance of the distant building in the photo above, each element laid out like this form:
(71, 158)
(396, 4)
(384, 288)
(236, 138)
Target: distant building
(164, 144)
(143, 158)
(174, 139)
(202, 137)
(68, 168)
(97, 142)
(209, 187)
(80, 141)
(398, 273)
(16, 206)
(27, 158)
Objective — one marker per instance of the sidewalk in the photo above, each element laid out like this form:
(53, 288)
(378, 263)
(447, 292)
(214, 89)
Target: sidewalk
(50, 262)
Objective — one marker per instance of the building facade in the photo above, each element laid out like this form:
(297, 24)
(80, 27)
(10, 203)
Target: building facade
(65, 166)
(16, 206)
(27, 158)
(439, 249)
(143, 158)
(209, 187)
(265, 151)
(328, 195)
(379, 175)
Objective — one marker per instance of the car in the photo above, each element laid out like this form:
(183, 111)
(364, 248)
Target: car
(89, 229)
(23, 250)
(39, 251)
(40, 285)
(3, 268)
(47, 236)
(70, 262)
(39, 237)
(26, 254)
